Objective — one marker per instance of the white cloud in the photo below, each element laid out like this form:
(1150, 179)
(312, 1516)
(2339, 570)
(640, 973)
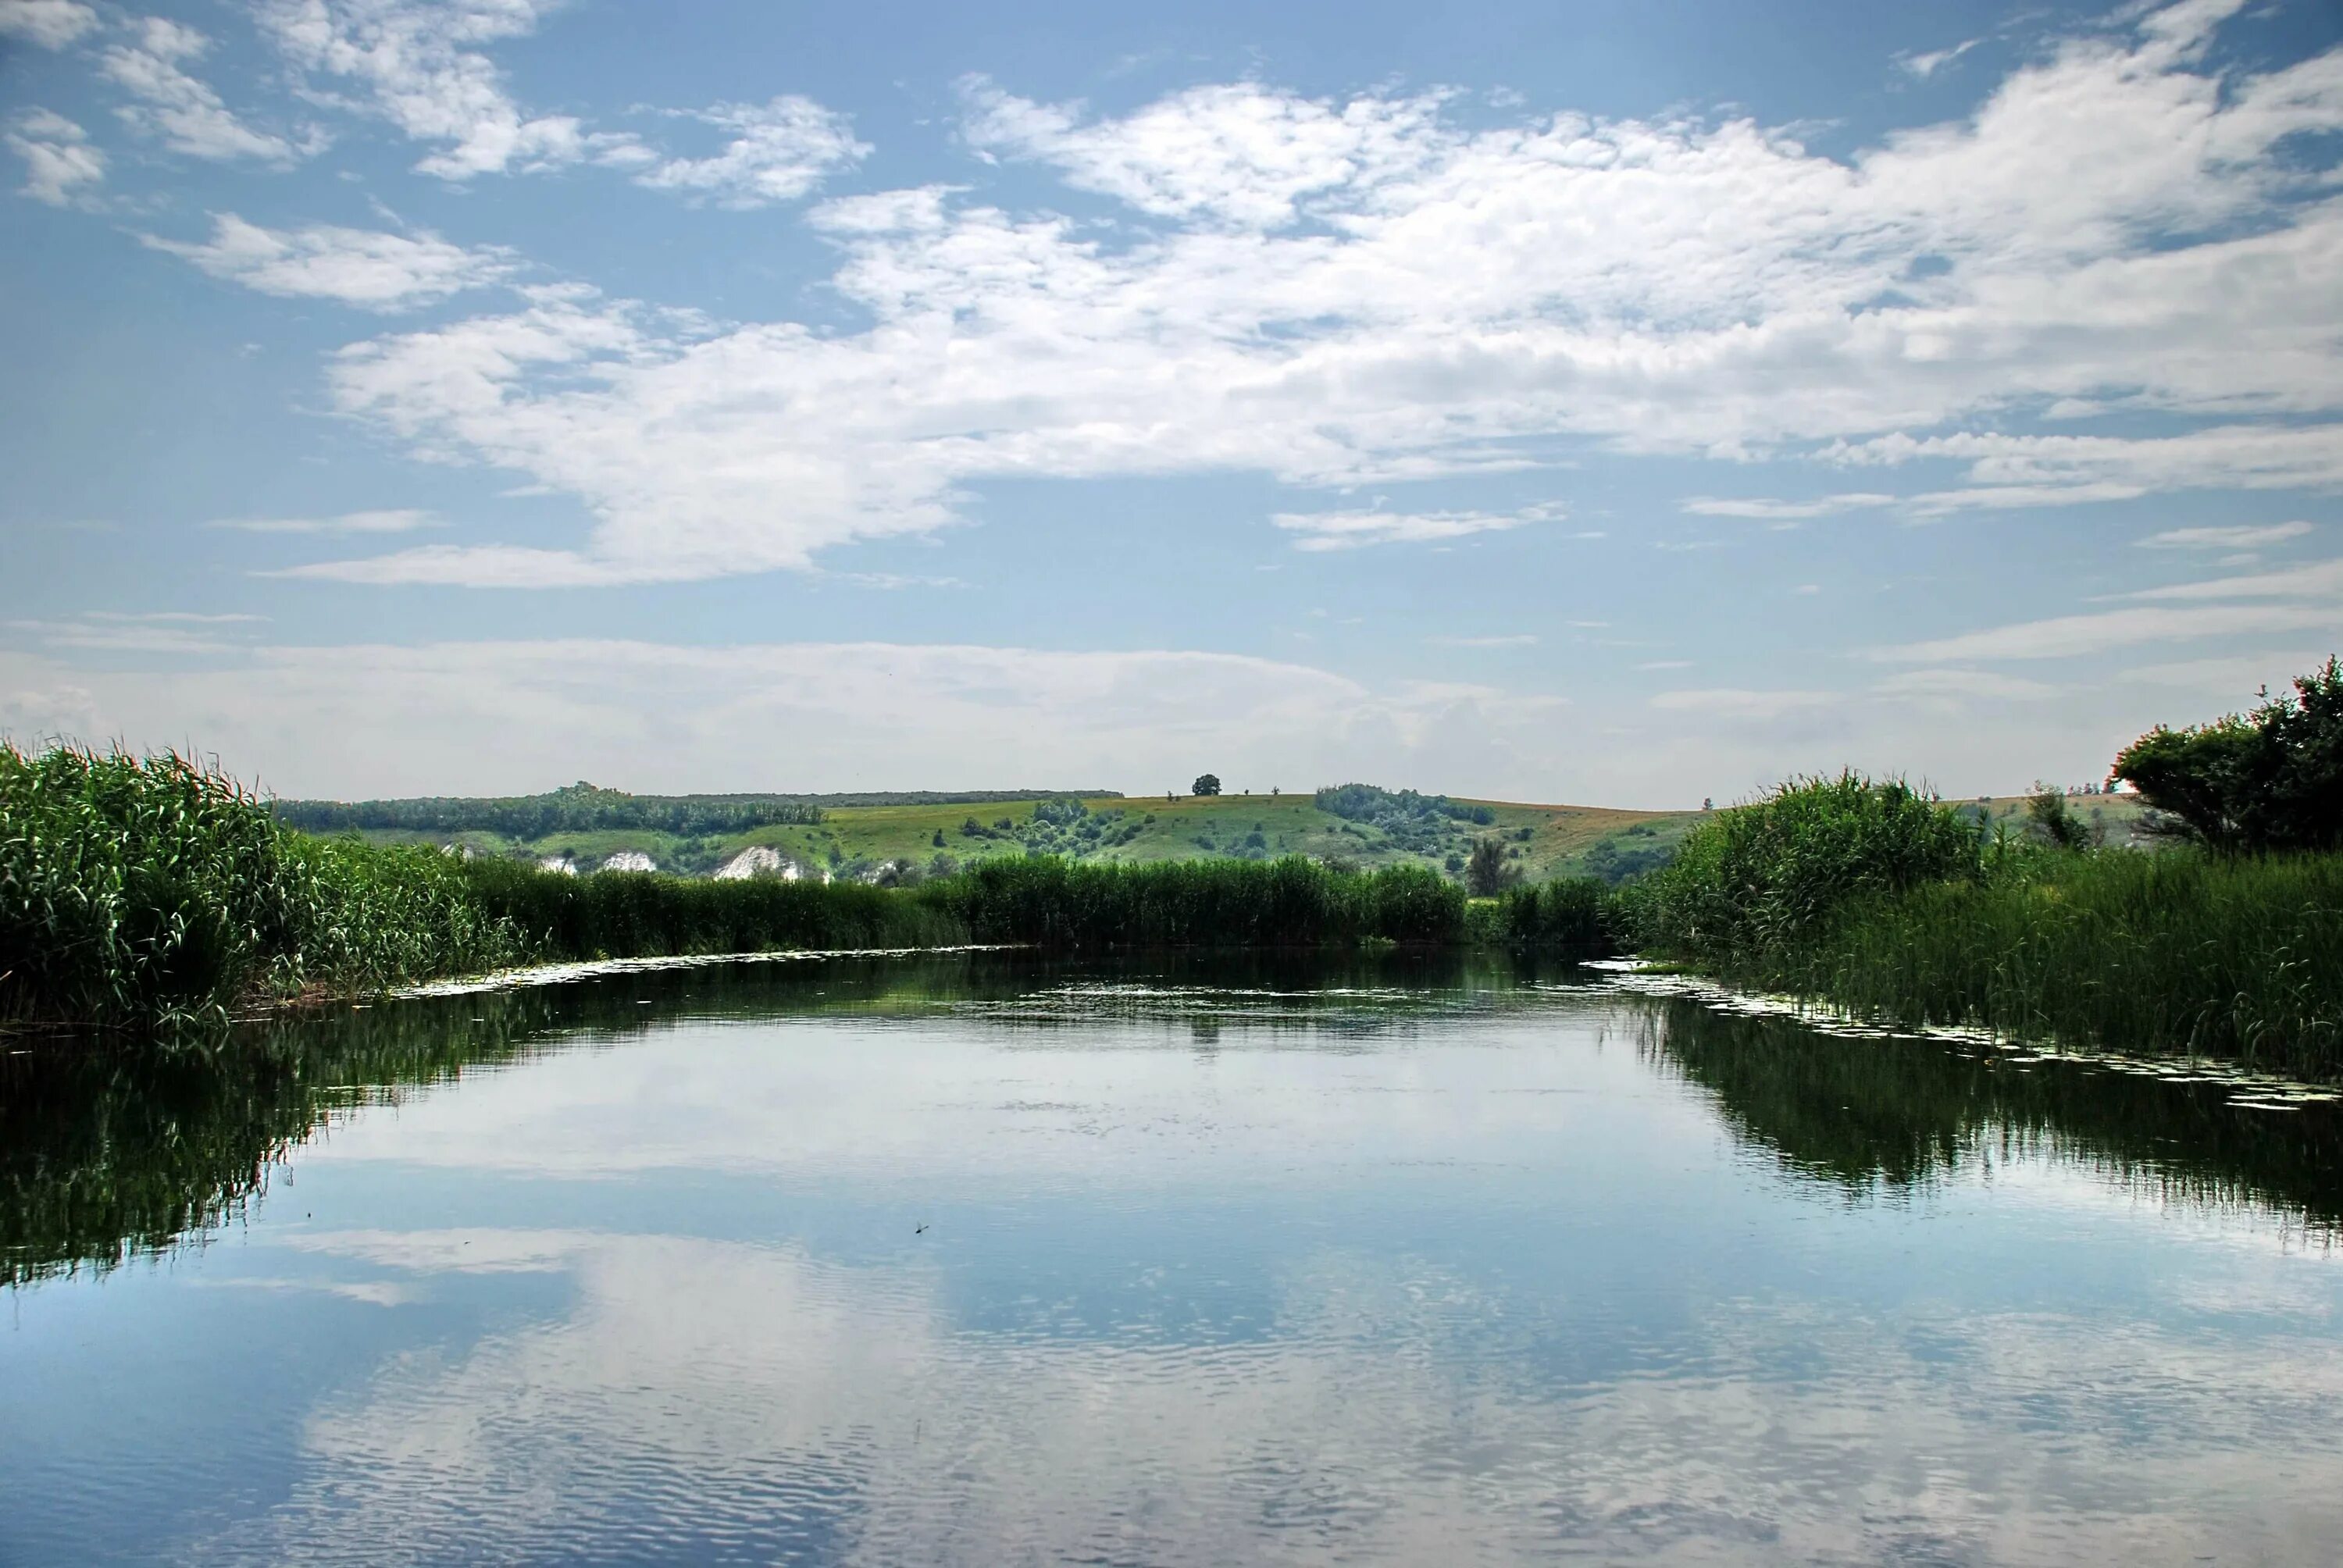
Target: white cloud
(779, 152)
(184, 112)
(1774, 511)
(161, 632)
(58, 158)
(2242, 537)
(421, 65)
(1353, 530)
(1517, 639)
(424, 67)
(2011, 471)
(358, 266)
(1337, 293)
(51, 24)
(2315, 580)
(1234, 154)
(397, 521)
(1924, 65)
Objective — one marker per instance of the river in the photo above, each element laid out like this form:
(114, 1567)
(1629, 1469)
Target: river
(987, 1259)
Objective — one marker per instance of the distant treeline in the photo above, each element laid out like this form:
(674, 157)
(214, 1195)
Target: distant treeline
(584, 807)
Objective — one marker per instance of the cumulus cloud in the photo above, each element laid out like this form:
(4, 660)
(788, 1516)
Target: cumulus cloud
(51, 24)
(364, 268)
(186, 112)
(58, 158)
(778, 152)
(422, 65)
(1339, 292)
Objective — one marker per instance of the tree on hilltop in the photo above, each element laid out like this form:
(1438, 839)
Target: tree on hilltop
(1205, 784)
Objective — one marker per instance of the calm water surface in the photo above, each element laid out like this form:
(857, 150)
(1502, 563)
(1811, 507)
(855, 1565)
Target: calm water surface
(982, 1260)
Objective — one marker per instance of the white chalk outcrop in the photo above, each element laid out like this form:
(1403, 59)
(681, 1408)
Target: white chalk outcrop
(759, 860)
(557, 863)
(630, 860)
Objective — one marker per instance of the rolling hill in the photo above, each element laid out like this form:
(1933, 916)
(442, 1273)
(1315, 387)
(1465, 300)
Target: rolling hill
(1361, 824)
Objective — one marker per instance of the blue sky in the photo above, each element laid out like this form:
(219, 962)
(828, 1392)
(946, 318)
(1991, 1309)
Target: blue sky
(1610, 402)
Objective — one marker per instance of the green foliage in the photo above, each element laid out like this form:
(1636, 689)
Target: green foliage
(1417, 824)
(1880, 900)
(641, 914)
(1287, 902)
(2055, 824)
(2272, 778)
(1205, 784)
(580, 807)
(2181, 951)
(150, 891)
(1750, 880)
(1616, 867)
(1486, 874)
(1571, 915)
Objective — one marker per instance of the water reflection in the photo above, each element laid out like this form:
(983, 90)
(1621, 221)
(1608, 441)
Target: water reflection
(982, 1261)
(1867, 1115)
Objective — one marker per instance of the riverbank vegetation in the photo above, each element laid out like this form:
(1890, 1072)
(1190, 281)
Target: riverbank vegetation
(151, 892)
(1880, 900)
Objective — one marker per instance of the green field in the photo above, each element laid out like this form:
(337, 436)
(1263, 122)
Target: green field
(1545, 841)
(1551, 840)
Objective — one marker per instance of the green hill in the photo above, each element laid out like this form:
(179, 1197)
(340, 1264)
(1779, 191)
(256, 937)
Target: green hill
(855, 835)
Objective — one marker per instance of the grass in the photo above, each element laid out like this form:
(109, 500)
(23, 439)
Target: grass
(1877, 899)
(153, 893)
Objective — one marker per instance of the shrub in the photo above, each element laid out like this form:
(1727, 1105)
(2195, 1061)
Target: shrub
(1750, 878)
(2272, 778)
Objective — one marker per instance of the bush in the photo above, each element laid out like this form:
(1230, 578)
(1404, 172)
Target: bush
(1486, 874)
(2272, 778)
(1749, 879)
(1570, 914)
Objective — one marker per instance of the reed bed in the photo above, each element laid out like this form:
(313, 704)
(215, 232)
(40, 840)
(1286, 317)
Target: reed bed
(1878, 900)
(1292, 902)
(153, 892)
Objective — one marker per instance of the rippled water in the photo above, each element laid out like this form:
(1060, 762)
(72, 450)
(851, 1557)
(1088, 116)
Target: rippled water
(981, 1261)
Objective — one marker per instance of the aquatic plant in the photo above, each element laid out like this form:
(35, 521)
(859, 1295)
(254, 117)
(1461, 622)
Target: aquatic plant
(1292, 901)
(1877, 899)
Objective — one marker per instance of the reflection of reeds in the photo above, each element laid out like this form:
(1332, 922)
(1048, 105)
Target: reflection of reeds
(1870, 1115)
(1882, 902)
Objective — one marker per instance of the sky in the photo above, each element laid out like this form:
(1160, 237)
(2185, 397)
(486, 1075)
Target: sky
(1604, 403)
